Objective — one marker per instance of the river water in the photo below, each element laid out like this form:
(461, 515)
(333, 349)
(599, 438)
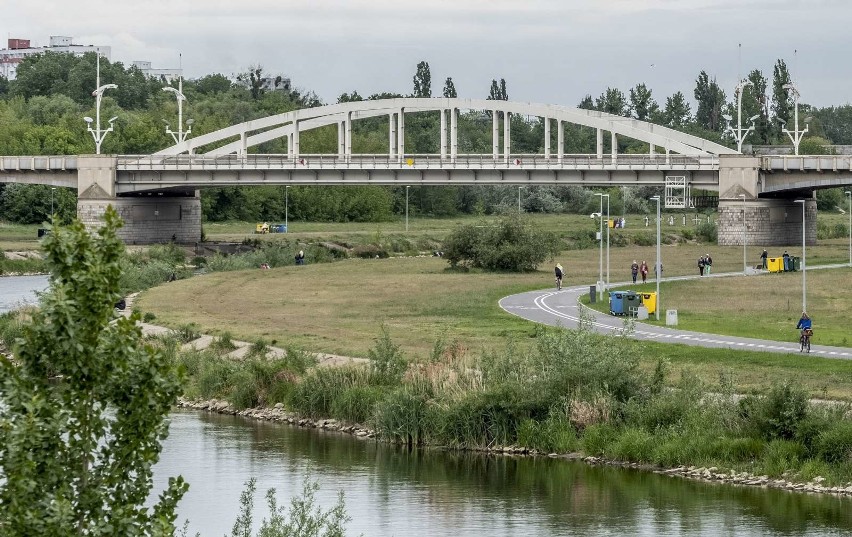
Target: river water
(393, 491)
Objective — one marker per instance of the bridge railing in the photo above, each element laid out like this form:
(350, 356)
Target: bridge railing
(38, 163)
(818, 163)
(384, 161)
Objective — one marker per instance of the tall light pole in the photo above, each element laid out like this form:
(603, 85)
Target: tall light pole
(287, 208)
(51, 200)
(607, 233)
(804, 278)
(738, 133)
(849, 195)
(743, 196)
(796, 135)
(99, 134)
(406, 206)
(658, 270)
(600, 242)
(519, 199)
(180, 135)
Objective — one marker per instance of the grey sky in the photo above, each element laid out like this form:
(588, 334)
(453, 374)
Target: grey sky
(549, 51)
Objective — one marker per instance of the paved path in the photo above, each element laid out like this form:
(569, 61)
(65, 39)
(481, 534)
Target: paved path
(562, 308)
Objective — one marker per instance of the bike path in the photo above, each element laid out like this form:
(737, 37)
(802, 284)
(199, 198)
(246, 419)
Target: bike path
(562, 308)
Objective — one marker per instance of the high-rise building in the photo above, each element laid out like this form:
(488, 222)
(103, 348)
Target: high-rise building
(18, 49)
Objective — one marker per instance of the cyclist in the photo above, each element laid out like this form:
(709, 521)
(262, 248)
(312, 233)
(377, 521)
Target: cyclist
(559, 272)
(804, 325)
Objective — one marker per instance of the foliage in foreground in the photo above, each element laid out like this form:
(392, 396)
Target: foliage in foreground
(575, 392)
(82, 411)
(511, 244)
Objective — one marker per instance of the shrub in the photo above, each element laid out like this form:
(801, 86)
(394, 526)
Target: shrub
(214, 378)
(632, 444)
(370, 251)
(187, 332)
(314, 394)
(707, 232)
(778, 413)
(645, 238)
(387, 363)
(553, 435)
(356, 404)
(780, 456)
(222, 344)
(598, 437)
(400, 416)
(148, 317)
(834, 445)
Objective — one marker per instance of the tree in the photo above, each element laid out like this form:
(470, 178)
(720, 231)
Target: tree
(642, 103)
(586, 103)
(782, 101)
(423, 81)
(676, 113)
(450, 89)
(498, 91)
(756, 104)
(82, 407)
(213, 84)
(613, 101)
(711, 100)
(253, 79)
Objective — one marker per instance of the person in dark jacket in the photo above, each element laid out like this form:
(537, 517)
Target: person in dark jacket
(559, 272)
(634, 270)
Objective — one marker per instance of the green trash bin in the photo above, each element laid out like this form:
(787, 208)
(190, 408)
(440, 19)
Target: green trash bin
(796, 263)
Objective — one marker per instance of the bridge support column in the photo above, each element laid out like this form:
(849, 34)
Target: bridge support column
(768, 221)
(614, 148)
(454, 133)
(400, 133)
(547, 138)
(391, 136)
(560, 140)
(443, 133)
(599, 143)
(495, 134)
(507, 137)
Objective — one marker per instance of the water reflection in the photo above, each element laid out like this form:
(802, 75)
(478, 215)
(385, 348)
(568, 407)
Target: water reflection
(391, 490)
(16, 291)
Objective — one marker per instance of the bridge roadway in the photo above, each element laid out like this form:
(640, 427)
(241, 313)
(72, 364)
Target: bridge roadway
(562, 308)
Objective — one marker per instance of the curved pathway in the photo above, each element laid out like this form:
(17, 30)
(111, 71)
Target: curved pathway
(562, 308)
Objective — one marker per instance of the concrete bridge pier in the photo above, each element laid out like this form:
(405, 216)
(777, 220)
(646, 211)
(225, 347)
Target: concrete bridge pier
(768, 221)
(149, 217)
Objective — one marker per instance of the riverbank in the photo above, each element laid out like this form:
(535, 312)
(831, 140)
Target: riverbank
(278, 414)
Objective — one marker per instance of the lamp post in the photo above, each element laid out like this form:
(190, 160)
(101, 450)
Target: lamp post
(743, 196)
(287, 208)
(804, 278)
(849, 195)
(658, 266)
(99, 134)
(180, 135)
(51, 200)
(519, 199)
(600, 242)
(796, 135)
(607, 233)
(738, 133)
(406, 206)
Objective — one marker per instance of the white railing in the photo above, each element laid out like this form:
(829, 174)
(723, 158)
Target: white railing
(38, 163)
(804, 163)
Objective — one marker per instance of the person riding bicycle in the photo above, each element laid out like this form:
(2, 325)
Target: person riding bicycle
(559, 272)
(804, 325)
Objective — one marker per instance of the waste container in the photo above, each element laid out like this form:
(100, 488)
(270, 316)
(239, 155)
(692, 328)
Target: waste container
(671, 317)
(632, 301)
(616, 303)
(42, 232)
(641, 313)
(278, 228)
(775, 264)
(796, 261)
(649, 300)
(593, 294)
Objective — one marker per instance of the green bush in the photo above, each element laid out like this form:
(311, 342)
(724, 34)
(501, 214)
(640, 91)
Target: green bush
(400, 416)
(645, 238)
(633, 445)
(314, 394)
(834, 445)
(387, 363)
(512, 244)
(214, 379)
(370, 251)
(553, 435)
(187, 332)
(356, 404)
(778, 413)
(598, 437)
(707, 232)
(780, 456)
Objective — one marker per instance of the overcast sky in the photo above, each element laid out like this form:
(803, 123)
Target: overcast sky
(549, 51)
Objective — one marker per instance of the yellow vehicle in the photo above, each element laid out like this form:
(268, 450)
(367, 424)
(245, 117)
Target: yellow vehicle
(262, 228)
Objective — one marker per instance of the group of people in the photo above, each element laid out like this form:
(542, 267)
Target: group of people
(705, 263)
(764, 256)
(636, 269)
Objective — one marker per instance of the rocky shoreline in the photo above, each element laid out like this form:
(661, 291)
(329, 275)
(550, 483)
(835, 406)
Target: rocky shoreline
(712, 474)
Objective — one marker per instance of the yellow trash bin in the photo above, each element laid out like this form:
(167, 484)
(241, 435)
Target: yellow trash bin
(649, 300)
(775, 264)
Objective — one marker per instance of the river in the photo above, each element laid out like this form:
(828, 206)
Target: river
(393, 491)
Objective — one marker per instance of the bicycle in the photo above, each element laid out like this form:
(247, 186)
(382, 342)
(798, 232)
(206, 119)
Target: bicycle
(558, 284)
(805, 340)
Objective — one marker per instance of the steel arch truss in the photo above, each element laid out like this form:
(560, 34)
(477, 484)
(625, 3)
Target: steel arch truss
(291, 124)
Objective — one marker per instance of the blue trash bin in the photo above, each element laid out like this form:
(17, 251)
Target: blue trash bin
(616, 303)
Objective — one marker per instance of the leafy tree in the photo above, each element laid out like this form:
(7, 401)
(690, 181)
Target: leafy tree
(423, 80)
(213, 84)
(756, 104)
(613, 101)
(642, 103)
(4, 86)
(253, 78)
(82, 411)
(676, 113)
(450, 89)
(498, 91)
(586, 103)
(782, 100)
(711, 101)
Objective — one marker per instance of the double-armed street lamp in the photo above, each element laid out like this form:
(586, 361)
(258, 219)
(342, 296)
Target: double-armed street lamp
(738, 133)
(406, 206)
(607, 233)
(99, 134)
(796, 135)
(659, 267)
(804, 277)
(180, 135)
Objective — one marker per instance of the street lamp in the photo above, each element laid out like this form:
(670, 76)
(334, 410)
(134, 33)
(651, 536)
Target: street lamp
(607, 232)
(804, 278)
(51, 201)
(519, 199)
(406, 206)
(287, 208)
(738, 134)
(180, 135)
(796, 135)
(743, 196)
(849, 195)
(99, 134)
(658, 266)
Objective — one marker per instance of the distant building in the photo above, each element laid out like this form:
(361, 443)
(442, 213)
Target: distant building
(18, 49)
(164, 75)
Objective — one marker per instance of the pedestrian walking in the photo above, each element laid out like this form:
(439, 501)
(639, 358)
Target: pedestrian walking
(634, 270)
(708, 264)
(644, 270)
(701, 265)
(559, 272)
(763, 257)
